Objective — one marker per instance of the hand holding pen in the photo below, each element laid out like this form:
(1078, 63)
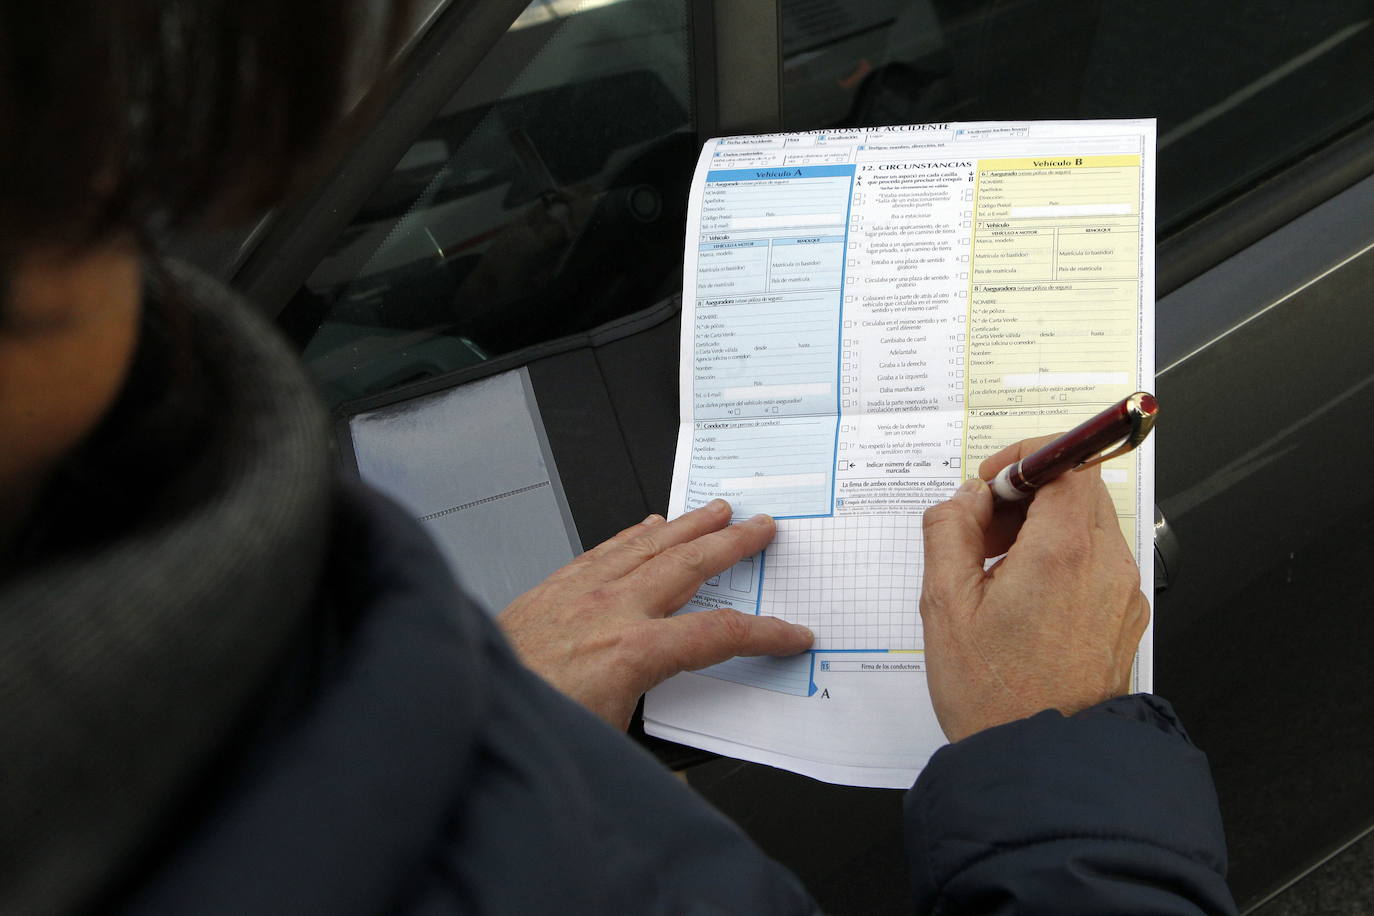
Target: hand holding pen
(1056, 622)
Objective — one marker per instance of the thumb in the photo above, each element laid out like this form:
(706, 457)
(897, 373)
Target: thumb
(953, 533)
(698, 639)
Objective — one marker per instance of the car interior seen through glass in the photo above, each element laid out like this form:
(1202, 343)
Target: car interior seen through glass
(549, 195)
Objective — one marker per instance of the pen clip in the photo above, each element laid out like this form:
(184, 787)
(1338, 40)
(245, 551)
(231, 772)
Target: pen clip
(1142, 413)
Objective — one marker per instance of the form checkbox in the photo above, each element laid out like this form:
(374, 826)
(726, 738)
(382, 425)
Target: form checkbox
(853, 262)
(850, 279)
(959, 348)
(965, 224)
(853, 245)
(963, 276)
(963, 241)
(961, 336)
(848, 299)
(848, 391)
(963, 258)
(954, 462)
(848, 324)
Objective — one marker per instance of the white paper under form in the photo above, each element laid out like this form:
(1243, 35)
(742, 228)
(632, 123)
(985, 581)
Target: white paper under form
(867, 314)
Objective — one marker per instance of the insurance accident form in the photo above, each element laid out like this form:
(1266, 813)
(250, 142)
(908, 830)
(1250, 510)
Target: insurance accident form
(867, 314)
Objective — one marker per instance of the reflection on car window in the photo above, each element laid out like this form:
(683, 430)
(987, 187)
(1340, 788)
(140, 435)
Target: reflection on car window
(546, 198)
(1238, 89)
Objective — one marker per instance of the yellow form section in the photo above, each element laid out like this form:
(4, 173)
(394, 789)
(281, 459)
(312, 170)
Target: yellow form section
(1054, 302)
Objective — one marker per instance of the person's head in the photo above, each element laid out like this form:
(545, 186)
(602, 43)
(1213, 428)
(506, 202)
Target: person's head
(117, 112)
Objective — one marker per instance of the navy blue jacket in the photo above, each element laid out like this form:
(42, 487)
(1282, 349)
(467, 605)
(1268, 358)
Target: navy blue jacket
(405, 762)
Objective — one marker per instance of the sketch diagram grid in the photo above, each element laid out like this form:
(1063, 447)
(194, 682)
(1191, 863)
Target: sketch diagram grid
(855, 581)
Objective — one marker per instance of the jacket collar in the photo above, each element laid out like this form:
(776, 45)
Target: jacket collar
(124, 666)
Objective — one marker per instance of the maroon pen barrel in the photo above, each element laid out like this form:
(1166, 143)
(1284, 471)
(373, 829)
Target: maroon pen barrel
(1083, 442)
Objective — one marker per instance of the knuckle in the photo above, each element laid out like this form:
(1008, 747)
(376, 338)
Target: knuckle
(732, 629)
(936, 516)
(624, 534)
(642, 546)
(1141, 611)
(690, 555)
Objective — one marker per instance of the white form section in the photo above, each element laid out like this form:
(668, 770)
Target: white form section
(854, 340)
(854, 580)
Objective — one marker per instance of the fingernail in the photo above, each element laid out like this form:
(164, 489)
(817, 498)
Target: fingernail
(972, 485)
(761, 519)
(811, 637)
(717, 505)
(653, 519)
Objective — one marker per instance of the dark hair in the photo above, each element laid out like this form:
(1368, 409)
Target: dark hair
(112, 111)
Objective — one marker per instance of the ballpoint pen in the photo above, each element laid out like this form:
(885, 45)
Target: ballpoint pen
(1127, 422)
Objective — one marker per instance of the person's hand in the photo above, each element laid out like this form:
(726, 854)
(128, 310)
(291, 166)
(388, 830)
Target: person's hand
(598, 629)
(1053, 625)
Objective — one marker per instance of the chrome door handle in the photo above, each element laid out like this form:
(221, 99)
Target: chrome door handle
(1166, 552)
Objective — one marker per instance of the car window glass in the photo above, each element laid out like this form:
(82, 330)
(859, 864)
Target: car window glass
(546, 198)
(1238, 89)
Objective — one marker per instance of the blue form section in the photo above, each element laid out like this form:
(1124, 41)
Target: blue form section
(758, 586)
(816, 171)
(783, 675)
(781, 171)
(839, 351)
(750, 671)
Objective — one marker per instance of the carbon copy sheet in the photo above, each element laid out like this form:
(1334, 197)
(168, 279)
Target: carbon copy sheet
(867, 314)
